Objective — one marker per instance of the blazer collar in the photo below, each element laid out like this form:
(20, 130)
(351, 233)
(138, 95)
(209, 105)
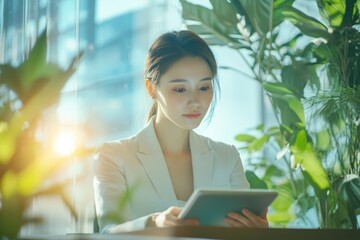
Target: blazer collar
(153, 161)
(202, 160)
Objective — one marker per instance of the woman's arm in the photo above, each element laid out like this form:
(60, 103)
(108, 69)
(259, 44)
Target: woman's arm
(111, 193)
(238, 180)
(237, 177)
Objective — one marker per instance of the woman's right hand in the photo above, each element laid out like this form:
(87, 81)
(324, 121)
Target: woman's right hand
(169, 217)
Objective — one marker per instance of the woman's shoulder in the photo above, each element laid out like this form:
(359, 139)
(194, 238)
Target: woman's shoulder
(131, 144)
(117, 145)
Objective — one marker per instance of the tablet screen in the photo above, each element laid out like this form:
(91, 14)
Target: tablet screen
(210, 206)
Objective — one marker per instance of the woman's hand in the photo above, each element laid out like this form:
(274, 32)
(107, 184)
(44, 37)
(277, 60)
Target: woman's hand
(170, 218)
(247, 219)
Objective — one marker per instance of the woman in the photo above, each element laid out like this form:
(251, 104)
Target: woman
(143, 181)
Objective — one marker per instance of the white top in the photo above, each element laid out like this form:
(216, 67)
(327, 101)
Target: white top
(181, 203)
(136, 165)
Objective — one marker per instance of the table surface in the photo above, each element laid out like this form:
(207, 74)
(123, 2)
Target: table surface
(203, 232)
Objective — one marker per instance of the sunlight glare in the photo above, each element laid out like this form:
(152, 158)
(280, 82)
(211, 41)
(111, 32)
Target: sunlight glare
(64, 143)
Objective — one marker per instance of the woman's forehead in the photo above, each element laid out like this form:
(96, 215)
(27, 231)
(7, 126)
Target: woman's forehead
(188, 68)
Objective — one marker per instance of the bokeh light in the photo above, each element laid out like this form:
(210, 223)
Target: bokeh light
(64, 142)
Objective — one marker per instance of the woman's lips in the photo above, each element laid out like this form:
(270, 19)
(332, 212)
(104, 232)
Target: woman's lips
(192, 115)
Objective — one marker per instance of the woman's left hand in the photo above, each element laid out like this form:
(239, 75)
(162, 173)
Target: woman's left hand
(247, 219)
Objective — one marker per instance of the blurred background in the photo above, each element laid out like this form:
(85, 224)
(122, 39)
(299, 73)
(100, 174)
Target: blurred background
(105, 99)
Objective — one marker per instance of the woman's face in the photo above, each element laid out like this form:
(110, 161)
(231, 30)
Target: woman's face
(184, 92)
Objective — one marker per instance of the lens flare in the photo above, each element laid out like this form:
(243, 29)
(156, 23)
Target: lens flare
(65, 143)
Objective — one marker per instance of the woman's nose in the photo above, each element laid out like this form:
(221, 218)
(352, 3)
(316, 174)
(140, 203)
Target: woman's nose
(194, 102)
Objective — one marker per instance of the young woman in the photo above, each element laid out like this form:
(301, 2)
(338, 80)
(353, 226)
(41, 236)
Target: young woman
(144, 180)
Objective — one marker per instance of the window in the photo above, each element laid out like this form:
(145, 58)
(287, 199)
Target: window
(106, 99)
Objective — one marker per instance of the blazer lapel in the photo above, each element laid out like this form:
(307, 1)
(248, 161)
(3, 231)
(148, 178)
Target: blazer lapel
(202, 161)
(152, 159)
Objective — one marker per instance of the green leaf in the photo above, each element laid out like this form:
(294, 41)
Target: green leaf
(255, 181)
(276, 88)
(313, 78)
(305, 155)
(45, 97)
(8, 138)
(281, 218)
(349, 189)
(273, 131)
(300, 143)
(289, 105)
(6, 112)
(272, 171)
(309, 162)
(10, 77)
(32, 69)
(9, 184)
(214, 40)
(211, 26)
(322, 140)
(50, 92)
(11, 215)
(258, 13)
(305, 202)
(325, 51)
(306, 24)
(285, 199)
(285, 129)
(332, 11)
(245, 138)
(225, 12)
(295, 77)
(257, 144)
(279, 6)
(7, 146)
(260, 127)
(295, 105)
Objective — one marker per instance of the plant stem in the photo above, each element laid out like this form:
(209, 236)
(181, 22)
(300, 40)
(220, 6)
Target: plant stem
(292, 178)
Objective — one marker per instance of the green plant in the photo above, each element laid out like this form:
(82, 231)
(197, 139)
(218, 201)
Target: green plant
(26, 162)
(311, 78)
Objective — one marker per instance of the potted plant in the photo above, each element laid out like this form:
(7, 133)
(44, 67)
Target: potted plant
(26, 162)
(311, 78)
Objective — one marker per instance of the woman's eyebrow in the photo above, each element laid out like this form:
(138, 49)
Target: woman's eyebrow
(184, 80)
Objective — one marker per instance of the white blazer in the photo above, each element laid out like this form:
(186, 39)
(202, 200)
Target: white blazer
(131, 179)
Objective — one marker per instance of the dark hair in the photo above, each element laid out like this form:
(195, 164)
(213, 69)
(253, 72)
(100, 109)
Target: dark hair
(171, 47)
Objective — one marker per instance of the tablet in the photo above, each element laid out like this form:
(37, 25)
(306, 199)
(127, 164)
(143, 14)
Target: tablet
(210, 206)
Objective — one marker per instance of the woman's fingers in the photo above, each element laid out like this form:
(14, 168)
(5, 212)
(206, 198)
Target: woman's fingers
(170, 218)
(258, 221)
(263, 215)
(247, 219)
(241, 219)
(175, 211)
(234, 223)
(190, 222)
(167, 218)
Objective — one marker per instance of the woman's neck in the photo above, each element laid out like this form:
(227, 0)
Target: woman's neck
(172, 138)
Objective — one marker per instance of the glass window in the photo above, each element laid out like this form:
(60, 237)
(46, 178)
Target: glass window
(105, 99)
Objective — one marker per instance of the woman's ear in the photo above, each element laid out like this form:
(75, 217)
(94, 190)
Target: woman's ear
(150, 88)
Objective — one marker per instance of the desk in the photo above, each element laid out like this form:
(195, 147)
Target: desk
(203, 232)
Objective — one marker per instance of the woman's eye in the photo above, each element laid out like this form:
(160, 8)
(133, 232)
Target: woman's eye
(205, 88)
(180, 90)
